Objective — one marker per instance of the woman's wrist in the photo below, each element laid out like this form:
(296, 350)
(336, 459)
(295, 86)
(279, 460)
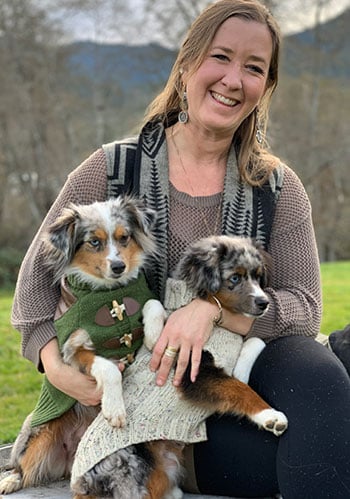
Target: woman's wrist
(218, 318)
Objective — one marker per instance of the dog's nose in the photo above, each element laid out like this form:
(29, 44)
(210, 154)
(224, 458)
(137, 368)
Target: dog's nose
(117, 268)
(262, 303)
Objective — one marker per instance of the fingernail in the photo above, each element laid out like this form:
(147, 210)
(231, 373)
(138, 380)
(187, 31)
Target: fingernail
(160, 382)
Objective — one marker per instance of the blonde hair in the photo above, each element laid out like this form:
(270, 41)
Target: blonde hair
(254, 162)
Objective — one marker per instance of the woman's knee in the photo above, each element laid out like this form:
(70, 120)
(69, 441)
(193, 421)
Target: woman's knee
(295, 364)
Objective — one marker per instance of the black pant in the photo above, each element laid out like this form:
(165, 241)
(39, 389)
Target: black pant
(311, 460)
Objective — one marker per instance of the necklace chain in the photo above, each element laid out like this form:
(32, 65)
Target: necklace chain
(210, 230)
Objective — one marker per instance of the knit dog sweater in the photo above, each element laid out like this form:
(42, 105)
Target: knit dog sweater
(96, 311)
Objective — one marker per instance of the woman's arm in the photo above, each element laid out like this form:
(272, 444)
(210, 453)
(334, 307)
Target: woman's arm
(294, 292)
(295, 285)
(70, 381)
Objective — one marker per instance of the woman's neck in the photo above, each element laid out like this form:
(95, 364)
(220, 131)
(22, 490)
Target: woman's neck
(197, 162)
(201, 146)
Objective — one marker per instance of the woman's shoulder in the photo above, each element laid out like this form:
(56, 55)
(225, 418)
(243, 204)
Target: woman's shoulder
(293, 203)
(292, 184)
(89, 179)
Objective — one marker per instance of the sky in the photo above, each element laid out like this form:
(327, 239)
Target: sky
(83, 27)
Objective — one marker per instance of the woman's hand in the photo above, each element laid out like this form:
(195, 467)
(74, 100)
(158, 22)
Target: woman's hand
(67, 379)
(187, 330)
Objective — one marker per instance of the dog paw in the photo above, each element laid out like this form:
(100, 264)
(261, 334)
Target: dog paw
(271, 420)
(11, 483)
(116, 418)
(113, 410)
(154, 318)
(175, 493)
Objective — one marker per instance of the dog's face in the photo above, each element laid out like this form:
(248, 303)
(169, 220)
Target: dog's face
(231, 268)
(104, 244)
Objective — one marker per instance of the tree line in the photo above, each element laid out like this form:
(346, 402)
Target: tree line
(52, 116)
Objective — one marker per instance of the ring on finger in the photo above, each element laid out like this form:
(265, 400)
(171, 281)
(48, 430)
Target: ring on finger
(171, 352)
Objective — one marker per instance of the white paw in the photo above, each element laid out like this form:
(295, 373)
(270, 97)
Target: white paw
(113, 410)
(154, 317)
(109, 378)
(175, 493)
(271, 420)
(11, 483)
(250, 351)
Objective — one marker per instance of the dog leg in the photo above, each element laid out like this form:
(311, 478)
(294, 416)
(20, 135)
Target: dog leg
(154, 317)
(218, 392)
(78, 351)
(11, 483)
(167, 470)
(251, 350)
(109, 378)
(42, 460)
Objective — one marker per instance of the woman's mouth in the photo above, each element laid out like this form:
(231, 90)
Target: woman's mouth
(224, 100)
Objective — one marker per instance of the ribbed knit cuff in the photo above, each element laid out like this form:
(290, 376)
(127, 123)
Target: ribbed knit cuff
(42, 334)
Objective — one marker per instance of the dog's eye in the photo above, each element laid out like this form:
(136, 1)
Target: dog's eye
(95, 243)
(124, 240)
(234, 280)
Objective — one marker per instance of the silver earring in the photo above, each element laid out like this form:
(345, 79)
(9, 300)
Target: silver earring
(183, 114)
(258, 133)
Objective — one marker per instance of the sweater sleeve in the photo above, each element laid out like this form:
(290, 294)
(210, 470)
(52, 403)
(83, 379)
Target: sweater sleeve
(36, 298)
(295, 284)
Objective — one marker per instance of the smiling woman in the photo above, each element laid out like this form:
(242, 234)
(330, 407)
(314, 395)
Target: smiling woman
(231, 81)
(201, 162)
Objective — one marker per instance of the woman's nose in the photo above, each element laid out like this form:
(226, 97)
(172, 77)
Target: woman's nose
(233, 77)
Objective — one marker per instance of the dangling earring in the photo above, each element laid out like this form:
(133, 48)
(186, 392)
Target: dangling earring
(258, 133)
(183, 114)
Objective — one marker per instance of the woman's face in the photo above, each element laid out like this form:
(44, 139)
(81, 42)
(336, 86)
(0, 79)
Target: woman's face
(230, 82)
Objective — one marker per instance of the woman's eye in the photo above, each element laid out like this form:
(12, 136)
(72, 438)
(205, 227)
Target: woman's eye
(221, 57)
(256, 69)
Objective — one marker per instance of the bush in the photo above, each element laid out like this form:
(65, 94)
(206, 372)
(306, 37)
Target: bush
(10, 261)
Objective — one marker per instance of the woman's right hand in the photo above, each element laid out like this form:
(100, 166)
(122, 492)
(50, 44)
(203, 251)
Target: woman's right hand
(67, 379)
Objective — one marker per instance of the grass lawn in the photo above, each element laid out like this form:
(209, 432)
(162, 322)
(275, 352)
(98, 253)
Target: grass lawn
(20, 382)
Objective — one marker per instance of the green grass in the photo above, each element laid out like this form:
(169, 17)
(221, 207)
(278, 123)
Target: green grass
(336, 296)
(20, 382)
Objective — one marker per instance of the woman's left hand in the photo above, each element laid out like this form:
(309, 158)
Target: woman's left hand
(186, 330)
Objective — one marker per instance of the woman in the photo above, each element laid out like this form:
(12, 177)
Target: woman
(200, 162)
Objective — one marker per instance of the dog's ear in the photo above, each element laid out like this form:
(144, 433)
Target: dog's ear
(61, 240)
(140, 214)
(147, 218)
(200, 268)
(266, 264)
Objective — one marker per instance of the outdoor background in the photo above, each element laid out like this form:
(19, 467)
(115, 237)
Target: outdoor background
(78, 73)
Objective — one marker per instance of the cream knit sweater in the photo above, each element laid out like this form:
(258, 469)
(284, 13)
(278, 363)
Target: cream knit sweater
(153, 412)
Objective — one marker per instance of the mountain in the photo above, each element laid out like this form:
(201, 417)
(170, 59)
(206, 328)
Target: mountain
(129, 66)
(145, 68)
(325, 49)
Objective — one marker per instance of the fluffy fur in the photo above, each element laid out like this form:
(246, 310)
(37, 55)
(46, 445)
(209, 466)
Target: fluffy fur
(234, 270)
(104, 245)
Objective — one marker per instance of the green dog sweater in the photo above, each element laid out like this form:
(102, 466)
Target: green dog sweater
(113, 320)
